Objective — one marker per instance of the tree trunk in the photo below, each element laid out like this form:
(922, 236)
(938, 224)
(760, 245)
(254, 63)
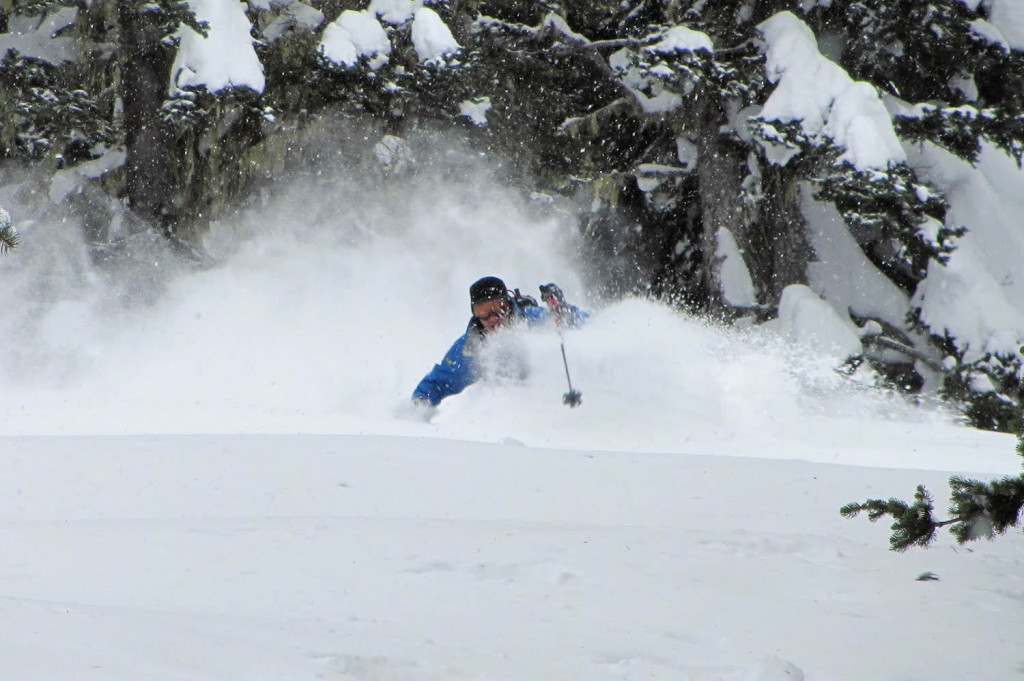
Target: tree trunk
(771, 235)
(721, 167)
(778, 246)
(145, 68)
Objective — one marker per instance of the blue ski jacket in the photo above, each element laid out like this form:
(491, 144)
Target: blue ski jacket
(458, 369)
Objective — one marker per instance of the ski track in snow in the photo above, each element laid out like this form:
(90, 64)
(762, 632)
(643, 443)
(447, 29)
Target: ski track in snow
(212, 475)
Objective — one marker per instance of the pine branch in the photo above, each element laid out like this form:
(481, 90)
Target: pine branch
(913, 353)
(977, 510)
(9, 239)
(8, 234)
(605, 111)
(985, 509)
(913, 524)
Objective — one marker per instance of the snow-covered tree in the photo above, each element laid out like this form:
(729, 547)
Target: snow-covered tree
(953, 79)
(719, 154)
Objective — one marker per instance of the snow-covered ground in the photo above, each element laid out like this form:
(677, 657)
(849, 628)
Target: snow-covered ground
(212, 474)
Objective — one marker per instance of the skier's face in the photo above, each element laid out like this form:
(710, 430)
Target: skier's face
(492, 313)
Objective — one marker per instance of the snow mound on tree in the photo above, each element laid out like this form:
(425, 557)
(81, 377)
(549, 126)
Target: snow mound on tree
(476, 109)
(737, 287)
(807, 320)
(839, 260)
(353, 35)
(431, 37)
(1008, 17)
(225, 57)
(394, 11)
(821, 95)
(979, 295)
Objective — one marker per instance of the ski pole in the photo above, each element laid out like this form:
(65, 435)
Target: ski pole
(550, 294)
(573, 397)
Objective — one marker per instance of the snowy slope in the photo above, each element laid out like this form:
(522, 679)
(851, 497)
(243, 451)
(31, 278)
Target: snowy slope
(374, 557)
(210, 474)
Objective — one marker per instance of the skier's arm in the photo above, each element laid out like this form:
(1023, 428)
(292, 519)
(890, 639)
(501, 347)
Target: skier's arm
(451, 376)
(570, 315)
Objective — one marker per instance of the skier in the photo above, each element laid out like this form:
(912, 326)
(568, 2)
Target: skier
(494, 309)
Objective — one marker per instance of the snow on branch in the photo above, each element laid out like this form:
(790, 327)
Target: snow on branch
(353, 35)
(682, 39)
(431, 37)
(1007, 18)
(556, 23)
(47, 42)
(225, 57)
(395, 12)
(820, 95)
(636, 67)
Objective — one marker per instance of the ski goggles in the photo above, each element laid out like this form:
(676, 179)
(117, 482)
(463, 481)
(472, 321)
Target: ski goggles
(491, 308)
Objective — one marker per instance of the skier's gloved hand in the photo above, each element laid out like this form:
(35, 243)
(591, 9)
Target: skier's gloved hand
(555, 299)
(551, 292)
(421, 409)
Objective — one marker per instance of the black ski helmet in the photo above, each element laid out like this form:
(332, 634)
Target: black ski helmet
(488, 288)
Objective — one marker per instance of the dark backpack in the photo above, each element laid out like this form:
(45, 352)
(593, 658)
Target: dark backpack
(523, 300)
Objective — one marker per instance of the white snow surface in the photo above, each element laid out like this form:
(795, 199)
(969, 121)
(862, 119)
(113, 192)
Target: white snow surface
(353, 35)
(431, 37)
(208, 474)
(225, 57)
(821, 95)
